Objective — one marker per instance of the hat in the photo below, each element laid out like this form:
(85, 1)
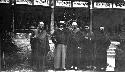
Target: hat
(32, 27)
(102, 28)
(62, 22)
(74, 23)
(86, 27)
(41, 23)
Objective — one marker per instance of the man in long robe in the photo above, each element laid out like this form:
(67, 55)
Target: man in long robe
(40, 47)
(74, 47)
(101, 44)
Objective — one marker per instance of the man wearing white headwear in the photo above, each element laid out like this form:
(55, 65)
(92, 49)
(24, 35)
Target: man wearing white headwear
(60, 38)
(40, 47)
(101, 44)
(74, 46)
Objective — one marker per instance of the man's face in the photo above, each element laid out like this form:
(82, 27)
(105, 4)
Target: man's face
(41, 24)
(74, 26)
(101, 28)
(61, 27)
(87, 27)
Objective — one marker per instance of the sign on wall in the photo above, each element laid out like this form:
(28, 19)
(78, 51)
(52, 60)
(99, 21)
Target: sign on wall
(68, 3)
(28, 2)
(119, 5)
(102, 5)
(63, 3)
(80, 4)
(41, 2)
(4, 1)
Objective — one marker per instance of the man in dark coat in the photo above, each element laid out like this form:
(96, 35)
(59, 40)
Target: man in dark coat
(101, 44)
(74, 47)
(40, 47)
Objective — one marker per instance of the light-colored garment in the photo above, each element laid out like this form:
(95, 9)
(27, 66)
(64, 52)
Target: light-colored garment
(60, 56)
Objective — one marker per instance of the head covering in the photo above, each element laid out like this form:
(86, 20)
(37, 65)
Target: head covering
(86, 27)
(41, 23)
(74, 23)
(62, 22)
(32, 27)
(101, 28)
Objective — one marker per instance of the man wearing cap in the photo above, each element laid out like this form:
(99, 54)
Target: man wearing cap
(60, 38)
(75, 46)
(101, 44)
(40, 47)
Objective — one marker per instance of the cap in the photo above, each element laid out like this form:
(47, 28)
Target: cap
(86, 27)
(62, 22)
(102, 28)
(41, 23)
(74, 23)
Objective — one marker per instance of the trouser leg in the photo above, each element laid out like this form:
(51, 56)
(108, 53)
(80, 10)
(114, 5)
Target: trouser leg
(69, 57)
(57, 57)
(63, 55)
(75, 58)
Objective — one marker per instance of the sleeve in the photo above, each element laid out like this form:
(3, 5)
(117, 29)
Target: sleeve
(47, 46)
(32, 43)
(54, 37)
(107, 42)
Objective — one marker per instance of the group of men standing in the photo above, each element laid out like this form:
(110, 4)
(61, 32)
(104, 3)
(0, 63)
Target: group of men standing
(73, 48)
(77, 49)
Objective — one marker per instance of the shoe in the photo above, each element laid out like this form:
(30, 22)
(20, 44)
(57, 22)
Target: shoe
(76, 68)
(103, 69)
(63, 69)
(71, 68)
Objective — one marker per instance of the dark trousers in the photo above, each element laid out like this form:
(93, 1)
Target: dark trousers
(76, 58)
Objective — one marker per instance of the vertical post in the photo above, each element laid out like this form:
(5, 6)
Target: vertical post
(91, 16)
(90, 6)
(13, 21)
(13, 11)
(52, 16)
(0, 51)
(91, 32)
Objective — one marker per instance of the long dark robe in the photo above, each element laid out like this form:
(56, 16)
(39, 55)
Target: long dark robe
(71, 46)
(85, 53)
(73, 52)
(101, 44)
(40, 48)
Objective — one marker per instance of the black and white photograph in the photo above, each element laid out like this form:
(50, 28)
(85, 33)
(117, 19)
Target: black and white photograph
(62, 35)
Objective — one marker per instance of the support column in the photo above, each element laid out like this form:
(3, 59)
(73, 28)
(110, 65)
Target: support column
(52, 16)
(91, 18)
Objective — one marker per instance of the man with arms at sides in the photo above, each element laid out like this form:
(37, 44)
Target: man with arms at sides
(101, 45)
(40, 47)
(60, 38)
